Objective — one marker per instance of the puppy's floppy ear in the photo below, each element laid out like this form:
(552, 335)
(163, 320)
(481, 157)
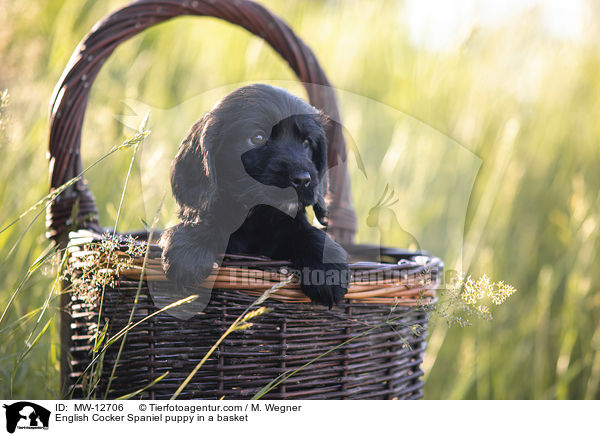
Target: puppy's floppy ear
(193, 176)
(320, 160)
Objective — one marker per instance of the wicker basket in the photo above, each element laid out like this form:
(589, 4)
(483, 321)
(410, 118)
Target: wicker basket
(371, 346)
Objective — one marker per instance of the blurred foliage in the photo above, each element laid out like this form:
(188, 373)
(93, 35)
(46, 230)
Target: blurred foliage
(493, 142)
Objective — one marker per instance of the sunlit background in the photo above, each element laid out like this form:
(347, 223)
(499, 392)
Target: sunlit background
(482, 116)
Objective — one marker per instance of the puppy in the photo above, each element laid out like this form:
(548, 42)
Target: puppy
(242, 179)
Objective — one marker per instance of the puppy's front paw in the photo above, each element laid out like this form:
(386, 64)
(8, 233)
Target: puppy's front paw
(183, 269)
(185, 260)
(325, 284)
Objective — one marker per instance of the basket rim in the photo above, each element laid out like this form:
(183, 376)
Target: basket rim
(411, 281)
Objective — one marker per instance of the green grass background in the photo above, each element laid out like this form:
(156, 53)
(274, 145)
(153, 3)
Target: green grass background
(492, 147)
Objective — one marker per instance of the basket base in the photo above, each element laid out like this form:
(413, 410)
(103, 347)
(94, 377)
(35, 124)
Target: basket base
(358, 351)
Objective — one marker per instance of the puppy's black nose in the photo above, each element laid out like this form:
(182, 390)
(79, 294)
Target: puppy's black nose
(301, 180)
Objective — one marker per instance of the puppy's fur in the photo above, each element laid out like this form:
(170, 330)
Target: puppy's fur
(242, 179)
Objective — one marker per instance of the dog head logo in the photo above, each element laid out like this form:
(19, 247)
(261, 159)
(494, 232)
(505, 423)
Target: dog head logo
(26, 415)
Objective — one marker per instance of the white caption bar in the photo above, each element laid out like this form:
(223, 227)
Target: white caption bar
(297, 417)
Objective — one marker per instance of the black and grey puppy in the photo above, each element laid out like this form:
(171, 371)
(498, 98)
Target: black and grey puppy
(242, 179)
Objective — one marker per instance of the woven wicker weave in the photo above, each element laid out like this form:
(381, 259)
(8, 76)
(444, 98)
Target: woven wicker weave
(373, 342)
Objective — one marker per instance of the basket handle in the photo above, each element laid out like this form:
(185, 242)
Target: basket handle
(71, 94)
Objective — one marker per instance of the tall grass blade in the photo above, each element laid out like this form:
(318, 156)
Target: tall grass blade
(142, 390)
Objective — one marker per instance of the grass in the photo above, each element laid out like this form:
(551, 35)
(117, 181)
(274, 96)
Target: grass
(491, 148)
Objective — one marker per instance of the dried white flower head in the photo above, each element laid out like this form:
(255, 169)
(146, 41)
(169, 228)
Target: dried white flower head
(98, 264)
(466, 298)
(502, 292)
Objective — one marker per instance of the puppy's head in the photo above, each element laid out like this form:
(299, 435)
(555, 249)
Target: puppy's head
(258, 145)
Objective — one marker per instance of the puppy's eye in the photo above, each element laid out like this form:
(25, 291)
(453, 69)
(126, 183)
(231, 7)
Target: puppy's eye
(258, 138)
